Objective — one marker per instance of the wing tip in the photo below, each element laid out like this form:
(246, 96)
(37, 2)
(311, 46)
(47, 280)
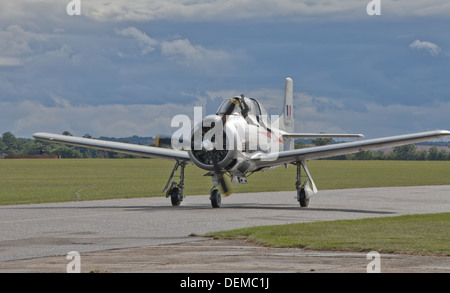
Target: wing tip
(442, 133)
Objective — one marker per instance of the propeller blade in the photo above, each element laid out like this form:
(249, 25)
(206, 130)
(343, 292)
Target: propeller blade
(219, 175)
(163, 141)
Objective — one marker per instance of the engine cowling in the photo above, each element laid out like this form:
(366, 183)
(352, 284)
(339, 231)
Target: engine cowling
(210, 142)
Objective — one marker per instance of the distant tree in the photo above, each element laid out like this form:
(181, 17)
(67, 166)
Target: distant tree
(66, 152)
(364, 155)
(321, 141)
(11, 144)
(33, 148)
(421, 155)
(67, 133)
(405, 152)
(9, 139)
(442, 155)
(433, 153)
(300, 145)
(380, 155)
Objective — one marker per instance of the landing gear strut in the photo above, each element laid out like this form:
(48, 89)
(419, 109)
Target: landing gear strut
(175, 192)
(301, 195)
(304, 191)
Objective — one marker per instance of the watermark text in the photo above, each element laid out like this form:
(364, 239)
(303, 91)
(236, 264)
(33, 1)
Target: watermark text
(374, 7)
(74, 7)
(374, 266)
(74, 266)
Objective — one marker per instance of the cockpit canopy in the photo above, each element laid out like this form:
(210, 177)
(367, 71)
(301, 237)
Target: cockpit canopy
(254, 107)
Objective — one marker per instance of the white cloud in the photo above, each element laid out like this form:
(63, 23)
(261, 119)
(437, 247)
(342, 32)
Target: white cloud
(182, 51)
(146, 43)
(433, 49)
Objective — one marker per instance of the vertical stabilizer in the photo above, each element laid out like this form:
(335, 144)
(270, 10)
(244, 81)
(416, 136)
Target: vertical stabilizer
(287, 118)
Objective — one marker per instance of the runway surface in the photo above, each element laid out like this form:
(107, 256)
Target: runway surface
(51, 229)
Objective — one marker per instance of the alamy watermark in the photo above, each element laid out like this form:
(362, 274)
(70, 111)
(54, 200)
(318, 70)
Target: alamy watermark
(74, 266)
(374, 7)
(74, 7)
(374, 265)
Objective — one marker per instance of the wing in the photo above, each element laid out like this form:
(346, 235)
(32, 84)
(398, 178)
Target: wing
(285, 157)
(319, 135)
(119, 147)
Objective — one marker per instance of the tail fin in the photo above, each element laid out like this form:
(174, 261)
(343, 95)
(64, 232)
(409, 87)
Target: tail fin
(287, 118)
(287, 122)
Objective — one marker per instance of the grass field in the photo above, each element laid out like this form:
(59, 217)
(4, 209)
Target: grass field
(412, 234)
(32, 181)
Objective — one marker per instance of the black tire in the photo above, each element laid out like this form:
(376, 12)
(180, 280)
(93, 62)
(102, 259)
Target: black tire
(175, 197)
(304, 202)
(216, 199)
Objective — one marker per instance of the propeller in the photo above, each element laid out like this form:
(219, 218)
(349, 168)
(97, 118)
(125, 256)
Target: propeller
(208, 146)
(219, 173)
(163, 141)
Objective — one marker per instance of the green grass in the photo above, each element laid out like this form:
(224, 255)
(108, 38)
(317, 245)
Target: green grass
(412, 234)
(30, 181)
(34, 181)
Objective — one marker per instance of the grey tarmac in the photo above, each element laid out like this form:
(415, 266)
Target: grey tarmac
(149, 235)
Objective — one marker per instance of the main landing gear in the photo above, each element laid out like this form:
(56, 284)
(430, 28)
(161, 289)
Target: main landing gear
(304, 191)
(175, 192)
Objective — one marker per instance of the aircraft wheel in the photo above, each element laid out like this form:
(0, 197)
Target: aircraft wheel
(304, 202)
(175, 197)
(216, 199)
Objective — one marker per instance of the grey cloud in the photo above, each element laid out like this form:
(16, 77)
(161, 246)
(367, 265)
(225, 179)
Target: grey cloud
(187, 10)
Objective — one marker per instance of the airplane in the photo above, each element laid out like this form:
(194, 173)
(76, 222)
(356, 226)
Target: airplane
(229, 142)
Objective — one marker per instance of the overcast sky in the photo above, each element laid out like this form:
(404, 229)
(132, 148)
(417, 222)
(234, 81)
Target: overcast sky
(125, 68)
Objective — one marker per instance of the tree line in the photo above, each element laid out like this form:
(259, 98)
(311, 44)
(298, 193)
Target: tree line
(10, 145)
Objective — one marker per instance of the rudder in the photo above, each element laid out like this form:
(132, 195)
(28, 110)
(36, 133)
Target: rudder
(287, 118)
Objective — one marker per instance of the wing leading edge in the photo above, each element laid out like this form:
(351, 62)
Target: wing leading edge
(285, 157)
(120, 147)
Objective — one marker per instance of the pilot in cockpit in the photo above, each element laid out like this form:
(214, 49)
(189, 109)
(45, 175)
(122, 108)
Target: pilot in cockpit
(248, 108)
